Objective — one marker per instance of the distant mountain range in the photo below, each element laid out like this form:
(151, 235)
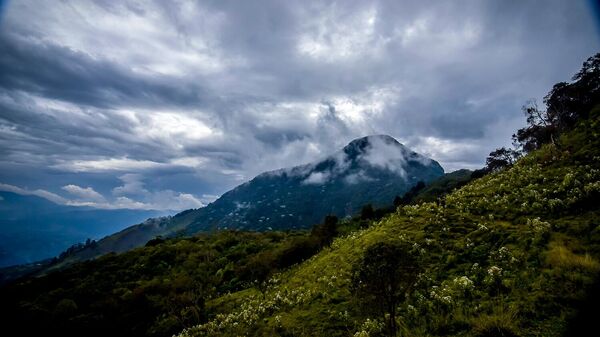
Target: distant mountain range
(369, 170)
(33, 228)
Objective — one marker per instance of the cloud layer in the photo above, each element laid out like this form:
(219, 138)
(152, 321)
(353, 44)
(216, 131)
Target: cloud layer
(146, 104)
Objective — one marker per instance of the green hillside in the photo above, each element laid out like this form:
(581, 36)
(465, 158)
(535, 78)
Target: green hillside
(155, 290)
(511, 254)
(514, 252)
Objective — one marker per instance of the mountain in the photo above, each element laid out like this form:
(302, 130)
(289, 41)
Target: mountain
(33, 228)
(372, 169)
(513, 253)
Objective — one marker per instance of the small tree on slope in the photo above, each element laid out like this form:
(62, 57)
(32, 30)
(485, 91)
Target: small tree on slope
(383, 279)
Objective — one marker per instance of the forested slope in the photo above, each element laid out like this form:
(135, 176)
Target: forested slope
(510, 254)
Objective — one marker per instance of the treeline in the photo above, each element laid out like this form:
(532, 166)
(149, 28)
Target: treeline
(159, 289)
(565, 105)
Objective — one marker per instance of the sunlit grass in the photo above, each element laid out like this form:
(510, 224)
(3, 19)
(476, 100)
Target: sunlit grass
(561, 256)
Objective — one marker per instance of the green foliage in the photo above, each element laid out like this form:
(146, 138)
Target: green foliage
(501, 158)
(501, 323)
(508, 254)
(367, 212)
(156, 290)
(383, 278)
(325, 232)
(566, 105)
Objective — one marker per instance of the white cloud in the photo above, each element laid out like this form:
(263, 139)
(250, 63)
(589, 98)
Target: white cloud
(124, 202)
(133, 187)
(111, 164)
(189, 161)
(140, 35)
(165, 200)
(176, 129)
(362, 107)
(451, 154)
(208, 198)
(85, 194)
(386, 155)
(39, 192)
(336, 35)
(213, 93)
(132, 184)
(317, 178)
(356, 178)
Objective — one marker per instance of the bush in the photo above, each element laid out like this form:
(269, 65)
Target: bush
(499, 324)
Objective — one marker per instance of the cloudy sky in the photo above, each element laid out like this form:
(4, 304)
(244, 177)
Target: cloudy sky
(167, 104)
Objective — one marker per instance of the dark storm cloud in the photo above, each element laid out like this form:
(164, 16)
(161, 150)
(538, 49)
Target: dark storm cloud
(184, 99)
(43, 68)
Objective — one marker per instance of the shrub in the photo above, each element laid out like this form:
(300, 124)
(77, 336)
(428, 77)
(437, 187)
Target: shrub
(501, 323)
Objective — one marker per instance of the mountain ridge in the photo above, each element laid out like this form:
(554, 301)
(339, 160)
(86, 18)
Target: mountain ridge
(376, 161)
(368, 170)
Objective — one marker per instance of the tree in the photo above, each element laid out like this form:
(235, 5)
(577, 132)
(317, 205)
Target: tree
(542, 129)
(367, 212)
(500, 159)
(329, 227)
(397, 201)
(570, 102)
(384, 278)
(65, 308)
(155, 242)
(260, 269)
(327, 231)
(566, 104)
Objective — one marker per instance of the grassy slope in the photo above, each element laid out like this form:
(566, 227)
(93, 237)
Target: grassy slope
(154, 290)
(515, 250)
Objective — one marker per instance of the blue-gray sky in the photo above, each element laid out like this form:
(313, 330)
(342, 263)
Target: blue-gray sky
(167, 104)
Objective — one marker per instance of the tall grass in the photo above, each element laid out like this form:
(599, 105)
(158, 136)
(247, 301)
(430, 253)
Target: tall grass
(561, 256)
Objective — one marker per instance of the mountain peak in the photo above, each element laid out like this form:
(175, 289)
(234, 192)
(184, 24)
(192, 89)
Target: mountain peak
(362, 145)
(386, 138)
(363, 141)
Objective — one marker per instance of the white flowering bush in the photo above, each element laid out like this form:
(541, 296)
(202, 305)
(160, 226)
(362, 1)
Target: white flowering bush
(464, 284)
(452, 290)
(540, 229)
(369, 328)
(503, 257)
(494, 271)
(251, 311)
(526, 188)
